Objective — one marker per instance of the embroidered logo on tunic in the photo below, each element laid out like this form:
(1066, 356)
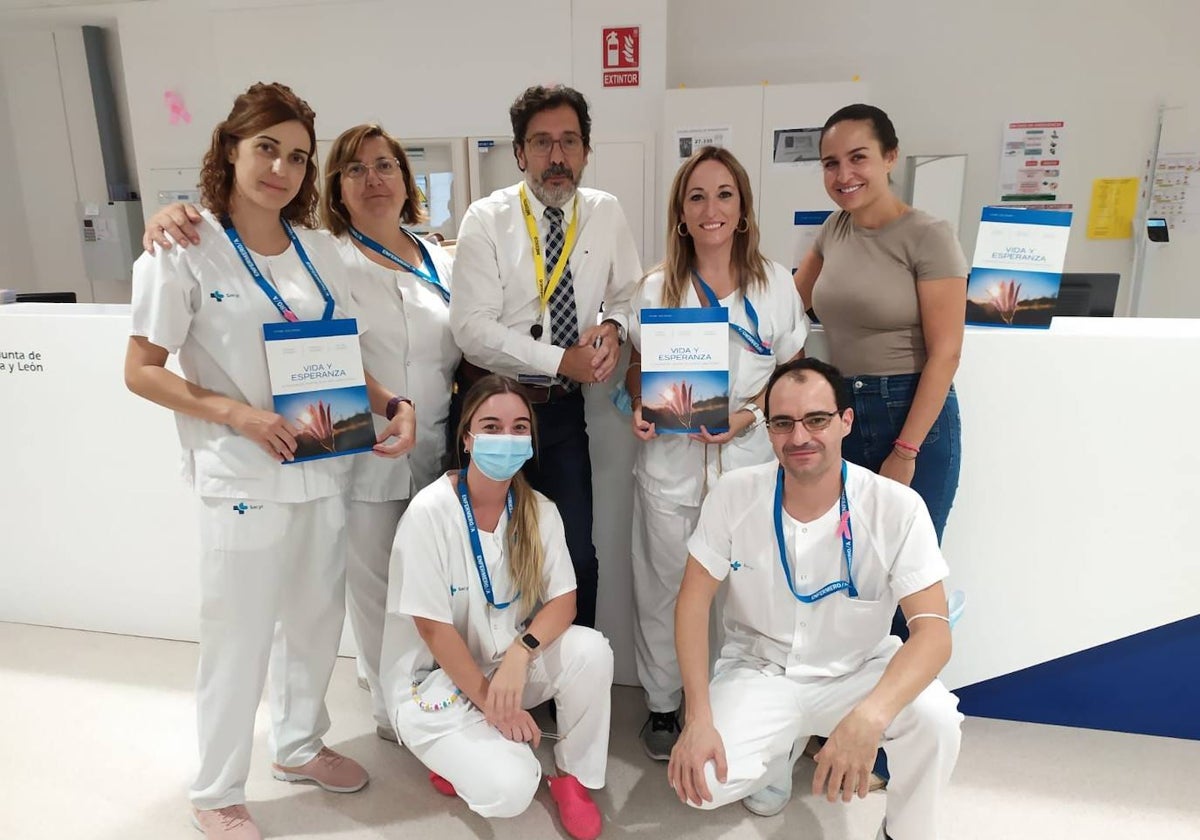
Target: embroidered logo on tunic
(219, 296)
(454, 590)
(735, 565)
(242, 507)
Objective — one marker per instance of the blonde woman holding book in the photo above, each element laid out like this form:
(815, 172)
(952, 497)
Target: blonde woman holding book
(712, 259)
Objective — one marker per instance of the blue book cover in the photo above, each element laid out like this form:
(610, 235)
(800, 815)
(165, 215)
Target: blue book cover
(1017, 269)
(685, 369)
(319, 387)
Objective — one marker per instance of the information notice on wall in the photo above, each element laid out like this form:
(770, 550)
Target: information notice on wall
(1031, 161)
(1175, 190)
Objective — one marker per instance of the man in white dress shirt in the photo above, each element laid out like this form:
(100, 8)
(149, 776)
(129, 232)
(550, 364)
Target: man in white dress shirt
(817, 553)
(534, 265)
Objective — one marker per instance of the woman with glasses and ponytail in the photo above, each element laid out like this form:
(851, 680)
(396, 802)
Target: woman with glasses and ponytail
(481, 597)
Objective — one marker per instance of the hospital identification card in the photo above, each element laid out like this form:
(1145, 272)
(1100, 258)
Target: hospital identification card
(685, 369)
(319, 387)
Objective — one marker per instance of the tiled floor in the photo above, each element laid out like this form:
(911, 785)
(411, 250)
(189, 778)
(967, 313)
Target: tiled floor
(97, 742)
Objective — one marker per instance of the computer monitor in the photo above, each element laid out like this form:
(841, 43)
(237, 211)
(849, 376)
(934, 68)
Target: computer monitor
(1087, 295)
(46, 297)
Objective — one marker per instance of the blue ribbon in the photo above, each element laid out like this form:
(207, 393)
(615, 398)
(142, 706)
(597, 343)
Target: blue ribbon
(847, 545)
(485, 580)
(751, 338)
(428, 274)
(267, 288)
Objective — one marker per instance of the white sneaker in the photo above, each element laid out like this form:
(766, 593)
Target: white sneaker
(772, 799)
(775, 796)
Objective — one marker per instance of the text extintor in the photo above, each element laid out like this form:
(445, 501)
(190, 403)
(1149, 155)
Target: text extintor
(622, 56)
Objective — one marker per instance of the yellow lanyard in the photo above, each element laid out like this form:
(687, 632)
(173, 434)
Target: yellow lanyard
(545, 290)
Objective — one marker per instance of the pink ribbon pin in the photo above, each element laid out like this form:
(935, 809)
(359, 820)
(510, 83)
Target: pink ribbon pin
(844, 526)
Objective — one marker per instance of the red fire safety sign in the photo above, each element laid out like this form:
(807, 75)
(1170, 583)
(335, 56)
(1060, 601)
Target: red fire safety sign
(622, 56)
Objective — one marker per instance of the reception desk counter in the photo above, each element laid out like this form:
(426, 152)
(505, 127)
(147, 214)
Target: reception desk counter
(1072, 527)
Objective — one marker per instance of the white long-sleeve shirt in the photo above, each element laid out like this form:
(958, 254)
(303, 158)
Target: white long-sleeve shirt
(495, 300)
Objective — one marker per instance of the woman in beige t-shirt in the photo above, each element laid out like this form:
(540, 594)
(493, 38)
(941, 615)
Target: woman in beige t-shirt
(888, 283)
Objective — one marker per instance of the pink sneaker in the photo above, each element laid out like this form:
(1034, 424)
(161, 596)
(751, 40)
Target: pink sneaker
(332, 771)
(441, 785)
(230, 823)
(576, 810)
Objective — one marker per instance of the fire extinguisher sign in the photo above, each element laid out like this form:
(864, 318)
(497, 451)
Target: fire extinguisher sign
(622, 56)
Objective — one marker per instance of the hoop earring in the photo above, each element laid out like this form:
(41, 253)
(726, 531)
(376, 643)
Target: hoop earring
(743, 225)
(681, 229)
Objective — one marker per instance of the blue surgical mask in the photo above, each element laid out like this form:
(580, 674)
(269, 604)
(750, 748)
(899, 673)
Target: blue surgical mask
(499, 457)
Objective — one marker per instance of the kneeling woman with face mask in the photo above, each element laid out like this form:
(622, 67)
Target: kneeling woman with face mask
(481, 596)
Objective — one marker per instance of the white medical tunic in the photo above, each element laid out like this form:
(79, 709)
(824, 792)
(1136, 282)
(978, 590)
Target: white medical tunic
(895, 554)
(433, 576)
(411, 351)
(673, 466)
(202, 303)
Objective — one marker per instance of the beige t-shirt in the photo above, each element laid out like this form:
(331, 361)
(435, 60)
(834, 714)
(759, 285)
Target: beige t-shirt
(866, 293)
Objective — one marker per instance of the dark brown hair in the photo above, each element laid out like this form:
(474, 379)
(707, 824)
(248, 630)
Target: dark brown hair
(334, 215)
(261, 106)
(539, 98)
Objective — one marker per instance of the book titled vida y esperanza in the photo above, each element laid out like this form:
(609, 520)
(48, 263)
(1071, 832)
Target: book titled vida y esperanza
(318, 386)
(685, 369)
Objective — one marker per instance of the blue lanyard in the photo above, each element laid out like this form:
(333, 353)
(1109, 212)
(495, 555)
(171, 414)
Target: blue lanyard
(485, 580)
(752, 338)
(847, 545)
(429, 274)
(267, 288)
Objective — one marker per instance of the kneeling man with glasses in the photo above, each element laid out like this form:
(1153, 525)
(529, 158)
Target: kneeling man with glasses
(817, 554)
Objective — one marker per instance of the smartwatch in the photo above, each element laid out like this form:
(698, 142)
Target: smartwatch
(394, 405)
(529, 642)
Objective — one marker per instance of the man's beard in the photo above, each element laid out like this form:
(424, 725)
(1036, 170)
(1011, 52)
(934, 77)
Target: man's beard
(554, 196)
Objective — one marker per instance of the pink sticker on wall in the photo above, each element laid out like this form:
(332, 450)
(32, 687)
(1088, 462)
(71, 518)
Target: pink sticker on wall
(176, 108)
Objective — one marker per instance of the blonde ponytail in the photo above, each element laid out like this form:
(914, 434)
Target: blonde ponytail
(525, 555)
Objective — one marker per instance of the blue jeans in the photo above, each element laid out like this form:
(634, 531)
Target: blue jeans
(881, 405)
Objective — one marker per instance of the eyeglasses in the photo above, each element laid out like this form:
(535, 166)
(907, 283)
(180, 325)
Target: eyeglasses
(384, 168)
(542, 144)
(814, 421)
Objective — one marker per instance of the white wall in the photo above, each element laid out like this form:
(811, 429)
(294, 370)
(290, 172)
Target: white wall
(16, 252)
(951, 73)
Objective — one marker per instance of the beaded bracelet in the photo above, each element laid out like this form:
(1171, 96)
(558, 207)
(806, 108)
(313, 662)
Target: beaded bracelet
(432, 707)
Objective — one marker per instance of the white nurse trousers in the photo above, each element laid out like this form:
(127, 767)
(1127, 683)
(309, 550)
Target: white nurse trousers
(370, 532)
(659, 556)
(759, 716)
(265, 564)
(497, 777)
